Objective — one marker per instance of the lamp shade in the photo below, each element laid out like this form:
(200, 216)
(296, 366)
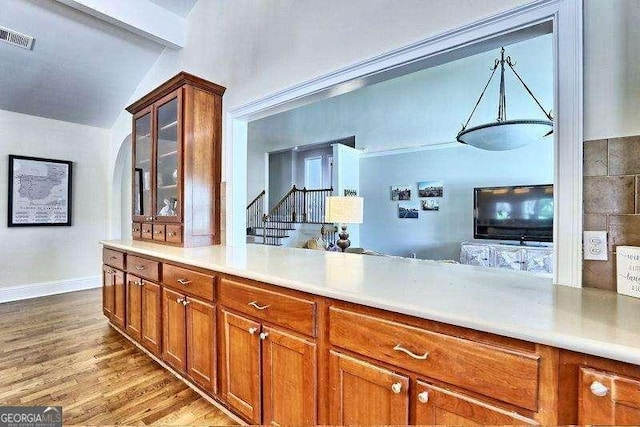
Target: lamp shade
(506, 135)
(344, 209)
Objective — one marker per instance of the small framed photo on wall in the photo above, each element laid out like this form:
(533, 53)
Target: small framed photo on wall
(39, 192)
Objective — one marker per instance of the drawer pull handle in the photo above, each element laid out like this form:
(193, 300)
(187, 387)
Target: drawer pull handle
(158, 231)
(113, 258)
(264, 335)
(179, 300)
(599, 389)
(139, 267)
(423, 397)
(172, 233)
(259, 307)
(183, 281)
(398, 347)
(396, 388)
(253, 330)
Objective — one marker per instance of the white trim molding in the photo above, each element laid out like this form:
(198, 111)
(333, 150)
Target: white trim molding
(35, 290)
(566, 19)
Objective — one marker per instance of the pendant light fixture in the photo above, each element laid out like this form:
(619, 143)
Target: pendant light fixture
(505, 134)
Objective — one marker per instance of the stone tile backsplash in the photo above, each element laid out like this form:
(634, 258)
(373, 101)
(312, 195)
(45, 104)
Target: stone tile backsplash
(611, 201)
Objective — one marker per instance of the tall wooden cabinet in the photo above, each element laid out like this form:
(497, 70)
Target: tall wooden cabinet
(177, 162)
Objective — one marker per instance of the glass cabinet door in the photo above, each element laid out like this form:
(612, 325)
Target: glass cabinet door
(168, 161)
(142, 175)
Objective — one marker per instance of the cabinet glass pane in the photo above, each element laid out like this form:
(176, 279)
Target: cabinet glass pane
(167, 166)
(142, 170)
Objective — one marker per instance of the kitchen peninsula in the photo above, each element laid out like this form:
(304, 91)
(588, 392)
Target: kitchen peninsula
(289, 336)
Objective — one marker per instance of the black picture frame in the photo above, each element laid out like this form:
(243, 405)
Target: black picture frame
(10, 214)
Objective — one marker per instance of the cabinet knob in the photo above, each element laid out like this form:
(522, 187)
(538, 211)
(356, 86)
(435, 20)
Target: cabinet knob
(179, 300)
(253, 330)
(264, 335)
(158, 231)
(172, 233)
(140, 283)
(396, 388)
(423, 397)
(598, 389)
(185, 302)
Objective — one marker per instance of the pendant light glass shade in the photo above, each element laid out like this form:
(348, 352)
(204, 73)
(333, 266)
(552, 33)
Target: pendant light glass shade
(507, 135)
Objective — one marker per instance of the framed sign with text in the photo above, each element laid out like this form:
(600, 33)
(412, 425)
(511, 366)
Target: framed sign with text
(628, 269)
(39, 192)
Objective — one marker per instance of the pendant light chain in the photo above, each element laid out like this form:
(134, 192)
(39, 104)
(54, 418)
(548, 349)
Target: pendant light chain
(510, 64)
(502, 101)
(481, 95)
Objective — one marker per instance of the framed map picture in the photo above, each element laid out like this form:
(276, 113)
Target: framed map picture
(39, 192)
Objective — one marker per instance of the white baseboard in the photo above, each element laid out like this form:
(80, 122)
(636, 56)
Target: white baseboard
(34, 290)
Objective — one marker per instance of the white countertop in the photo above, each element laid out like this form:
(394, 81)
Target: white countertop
(514, 304)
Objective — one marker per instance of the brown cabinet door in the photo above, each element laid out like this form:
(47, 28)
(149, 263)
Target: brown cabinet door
(606, 398)
(151, 335)
(288, 378)
(174, 343)
(365, 394)
(142, 163)
(241, 366)
(108, 291)
(168, 159)
(134, 307)
(120, 298)
(438, 406)
(201, 330)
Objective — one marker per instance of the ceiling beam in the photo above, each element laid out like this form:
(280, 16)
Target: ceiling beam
(141, 17)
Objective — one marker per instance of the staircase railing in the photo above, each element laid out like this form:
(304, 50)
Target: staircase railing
(255, 213)
(297, 206)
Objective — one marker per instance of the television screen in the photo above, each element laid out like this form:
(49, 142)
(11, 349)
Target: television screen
(522, 213)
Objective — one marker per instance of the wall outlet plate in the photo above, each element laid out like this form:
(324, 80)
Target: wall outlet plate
(595, 246)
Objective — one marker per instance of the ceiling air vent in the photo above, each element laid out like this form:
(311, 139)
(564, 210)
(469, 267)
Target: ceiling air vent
(15, 38)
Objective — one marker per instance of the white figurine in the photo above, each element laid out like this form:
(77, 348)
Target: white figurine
(166, 209)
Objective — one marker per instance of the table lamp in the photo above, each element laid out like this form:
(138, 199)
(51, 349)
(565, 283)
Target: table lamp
(344, 210)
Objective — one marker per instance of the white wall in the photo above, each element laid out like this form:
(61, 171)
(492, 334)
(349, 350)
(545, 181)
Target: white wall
(438, 234)
(280, 176)
(49, 254)
(257, 47)
(611, 68)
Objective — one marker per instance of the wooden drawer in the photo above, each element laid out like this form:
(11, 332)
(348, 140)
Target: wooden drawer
(147, 231)
(158, 232)
(143, 267)
(188, 281)
(290, 312)
(113, 258)
(136, 230)
(499, 373)
(174, 233)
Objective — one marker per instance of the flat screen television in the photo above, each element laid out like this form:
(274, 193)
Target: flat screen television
(523, 213)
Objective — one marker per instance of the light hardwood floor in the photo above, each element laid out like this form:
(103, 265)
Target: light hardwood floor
(60, 350)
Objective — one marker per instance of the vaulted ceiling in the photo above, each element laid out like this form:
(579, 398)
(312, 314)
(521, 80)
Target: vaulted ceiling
(87, 59)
